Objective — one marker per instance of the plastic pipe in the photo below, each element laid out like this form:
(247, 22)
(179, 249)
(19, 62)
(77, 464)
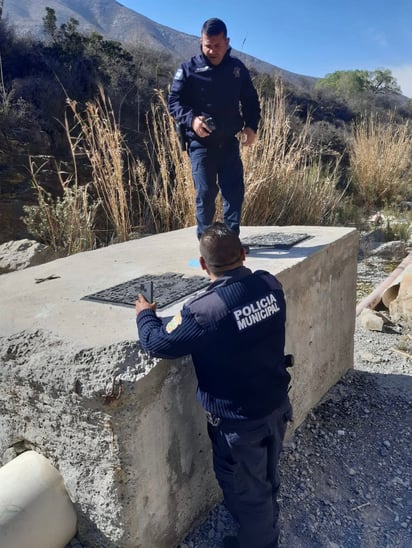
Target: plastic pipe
(35, 509)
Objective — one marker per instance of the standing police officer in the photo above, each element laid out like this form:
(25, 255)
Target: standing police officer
(212, 99)
(235, 332)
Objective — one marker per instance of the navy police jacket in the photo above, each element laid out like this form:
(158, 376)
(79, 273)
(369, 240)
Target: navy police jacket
(225, 92)
(235, 332)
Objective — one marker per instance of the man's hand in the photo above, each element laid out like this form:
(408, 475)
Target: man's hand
(143, 304)
(247, 136)
(200, 127)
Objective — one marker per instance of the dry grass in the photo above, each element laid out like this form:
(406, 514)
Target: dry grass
(132, 197)
(285, 180)
(381, 161)
(97, 136)
(167, 187)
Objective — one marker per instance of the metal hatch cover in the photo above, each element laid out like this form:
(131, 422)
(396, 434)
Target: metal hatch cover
(275, 240)
(167, 289)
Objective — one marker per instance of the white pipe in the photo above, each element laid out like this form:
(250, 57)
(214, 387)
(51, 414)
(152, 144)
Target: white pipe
(35, 509)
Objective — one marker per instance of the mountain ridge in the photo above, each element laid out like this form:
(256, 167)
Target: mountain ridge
(117, 22)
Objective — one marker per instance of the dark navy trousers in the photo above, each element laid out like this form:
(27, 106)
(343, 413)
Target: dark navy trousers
(245, 459)
(213, 168)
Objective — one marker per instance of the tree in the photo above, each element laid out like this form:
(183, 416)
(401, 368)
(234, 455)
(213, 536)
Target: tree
(381, 80)
(50, 23)
(348, 82)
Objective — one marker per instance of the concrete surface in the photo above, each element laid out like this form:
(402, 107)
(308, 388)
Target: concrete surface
(124, 430)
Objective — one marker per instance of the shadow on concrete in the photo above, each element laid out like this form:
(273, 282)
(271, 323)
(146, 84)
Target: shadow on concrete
(278, 253)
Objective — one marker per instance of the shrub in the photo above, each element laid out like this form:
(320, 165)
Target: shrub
(66, 223)
(380, 161)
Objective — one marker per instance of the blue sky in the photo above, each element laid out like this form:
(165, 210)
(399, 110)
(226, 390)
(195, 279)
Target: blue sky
(312, 37)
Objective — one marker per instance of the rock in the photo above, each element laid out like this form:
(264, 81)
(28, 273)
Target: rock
(405, 206)
(395, 250)
(371, 320)
(20, 254)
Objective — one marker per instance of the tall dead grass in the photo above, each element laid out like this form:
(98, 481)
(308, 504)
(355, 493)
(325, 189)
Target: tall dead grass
(96, 135)
(129, 195)
(72, 220)
(286, 181)
(167, 186)
(381, 161)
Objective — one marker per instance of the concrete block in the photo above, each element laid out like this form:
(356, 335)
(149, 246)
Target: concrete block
(321, 303)
(124, 430)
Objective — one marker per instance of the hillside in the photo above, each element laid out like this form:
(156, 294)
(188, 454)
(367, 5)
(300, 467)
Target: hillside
(116, 22)
(40, 73)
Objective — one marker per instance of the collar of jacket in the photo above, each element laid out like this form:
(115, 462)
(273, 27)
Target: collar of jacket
(230, 276)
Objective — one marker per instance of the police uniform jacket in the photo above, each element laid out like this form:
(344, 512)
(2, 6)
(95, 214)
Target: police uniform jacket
(235, 332)
(200, 88)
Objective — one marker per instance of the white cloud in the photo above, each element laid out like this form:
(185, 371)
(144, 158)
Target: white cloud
(403, 75)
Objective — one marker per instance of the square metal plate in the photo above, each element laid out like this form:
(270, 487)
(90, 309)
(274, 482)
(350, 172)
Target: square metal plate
(276, 240)
(167, 289)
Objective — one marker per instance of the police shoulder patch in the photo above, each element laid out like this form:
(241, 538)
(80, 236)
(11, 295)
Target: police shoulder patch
(179, 74)
(174, 322)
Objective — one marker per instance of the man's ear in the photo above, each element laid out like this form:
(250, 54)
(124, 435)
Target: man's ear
(203, 263)
(242, 254)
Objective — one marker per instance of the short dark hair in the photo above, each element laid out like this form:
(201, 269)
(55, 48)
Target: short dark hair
(213, 27)
(220, 247)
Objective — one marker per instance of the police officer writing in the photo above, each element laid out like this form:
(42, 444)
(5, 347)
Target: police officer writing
(212, 99)
(235, 333)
